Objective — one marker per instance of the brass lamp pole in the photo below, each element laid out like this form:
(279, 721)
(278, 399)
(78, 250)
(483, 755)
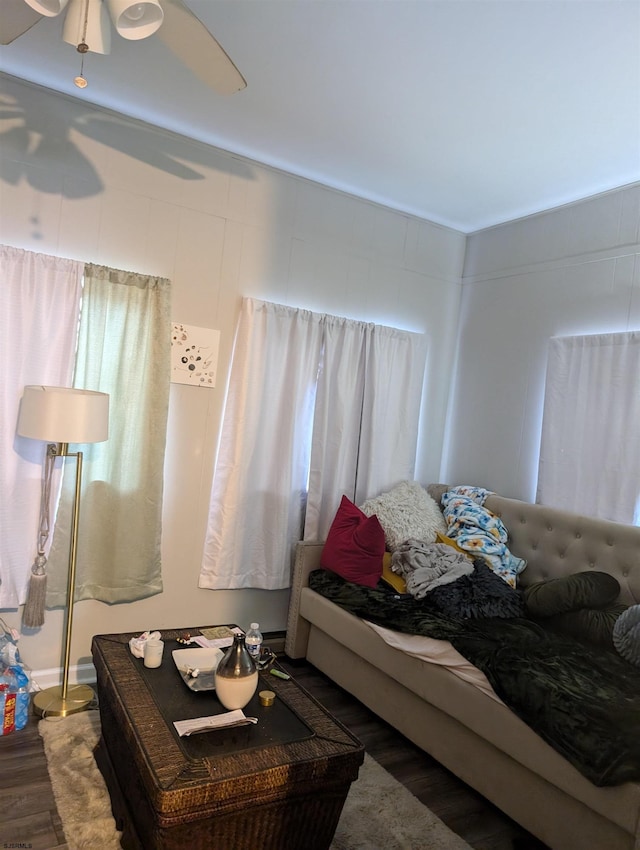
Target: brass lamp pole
(65, 415)
(60, 700)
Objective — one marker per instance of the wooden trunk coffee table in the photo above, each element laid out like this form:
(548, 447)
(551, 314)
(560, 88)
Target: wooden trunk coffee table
(279, 785)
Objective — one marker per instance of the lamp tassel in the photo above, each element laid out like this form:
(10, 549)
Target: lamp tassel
(33, 612)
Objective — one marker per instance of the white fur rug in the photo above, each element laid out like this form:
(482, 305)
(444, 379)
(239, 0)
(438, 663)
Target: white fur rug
(379, 811)
(81, 794)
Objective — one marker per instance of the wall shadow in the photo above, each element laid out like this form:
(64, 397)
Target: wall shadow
(38, 136)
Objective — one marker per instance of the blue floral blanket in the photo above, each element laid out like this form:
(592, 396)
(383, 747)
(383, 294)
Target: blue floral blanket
(480, 532)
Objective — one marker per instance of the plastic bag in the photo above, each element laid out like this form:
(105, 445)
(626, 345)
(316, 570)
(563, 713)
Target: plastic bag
(9, 655)
(14, 683)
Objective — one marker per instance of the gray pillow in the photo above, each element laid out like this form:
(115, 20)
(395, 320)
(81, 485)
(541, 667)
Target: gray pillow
(626, 635)
(594, 625)
(590, 589)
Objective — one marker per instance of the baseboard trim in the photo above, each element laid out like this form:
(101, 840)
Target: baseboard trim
(80, 674)
(275, 641)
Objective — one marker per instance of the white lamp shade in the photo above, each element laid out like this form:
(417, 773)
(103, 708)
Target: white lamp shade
(98, 28)
(136, 20)
(50, 8)
(64, 415)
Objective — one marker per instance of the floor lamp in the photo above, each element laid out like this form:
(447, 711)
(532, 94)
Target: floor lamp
(59, 416)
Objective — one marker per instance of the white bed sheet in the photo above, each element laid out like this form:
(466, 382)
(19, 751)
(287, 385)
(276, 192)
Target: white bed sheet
(437, 652)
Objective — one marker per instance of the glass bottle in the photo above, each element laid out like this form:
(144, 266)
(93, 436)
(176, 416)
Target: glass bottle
(236, 676)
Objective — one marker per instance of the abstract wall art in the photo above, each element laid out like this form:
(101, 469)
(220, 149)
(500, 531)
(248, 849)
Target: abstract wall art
(194, 355)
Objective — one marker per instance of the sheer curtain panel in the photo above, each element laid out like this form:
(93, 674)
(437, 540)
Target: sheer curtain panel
(395, 369)
(335, 442)
(366, 417)
(124, 349)
(318, 406)
(261, 473)
(39, 304)
(590, 447)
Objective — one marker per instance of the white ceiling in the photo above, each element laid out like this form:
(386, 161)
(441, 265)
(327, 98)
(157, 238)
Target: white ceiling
(464, 112)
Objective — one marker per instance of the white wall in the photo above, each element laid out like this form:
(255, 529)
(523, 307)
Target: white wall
(573, 270)
(86, 184)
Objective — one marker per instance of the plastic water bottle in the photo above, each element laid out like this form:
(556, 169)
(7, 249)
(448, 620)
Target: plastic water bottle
(23, 698)
(14, 700)
(253, 641)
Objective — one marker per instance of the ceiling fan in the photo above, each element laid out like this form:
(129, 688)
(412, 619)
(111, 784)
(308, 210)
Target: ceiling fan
(87, 28)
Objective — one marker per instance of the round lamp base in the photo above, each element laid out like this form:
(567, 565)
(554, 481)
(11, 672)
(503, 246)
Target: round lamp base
(50, 702)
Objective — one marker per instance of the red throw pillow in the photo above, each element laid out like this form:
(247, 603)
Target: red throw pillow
(355, 545)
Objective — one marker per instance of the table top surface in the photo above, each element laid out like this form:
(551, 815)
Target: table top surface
(143, 703)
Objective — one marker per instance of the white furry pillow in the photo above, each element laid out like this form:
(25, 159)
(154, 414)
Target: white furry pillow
(406, 512)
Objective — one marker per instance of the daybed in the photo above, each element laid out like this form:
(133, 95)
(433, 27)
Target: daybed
(471, 732)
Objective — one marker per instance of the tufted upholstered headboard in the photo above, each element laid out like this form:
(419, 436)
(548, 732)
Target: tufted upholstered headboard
(557, 543)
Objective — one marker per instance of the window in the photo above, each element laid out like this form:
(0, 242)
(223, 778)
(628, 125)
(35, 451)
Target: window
(590, 448)
(124, 349)
(39, 303)
(318, 406)
(112, 336)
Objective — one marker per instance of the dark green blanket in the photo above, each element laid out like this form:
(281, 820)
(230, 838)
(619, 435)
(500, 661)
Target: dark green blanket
(584, 701)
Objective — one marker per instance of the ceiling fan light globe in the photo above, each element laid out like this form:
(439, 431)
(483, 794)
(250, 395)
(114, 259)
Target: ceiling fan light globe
(50, 8)
(98, 34)
(136, 20)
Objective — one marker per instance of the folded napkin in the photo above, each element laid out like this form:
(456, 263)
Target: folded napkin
(215, 721)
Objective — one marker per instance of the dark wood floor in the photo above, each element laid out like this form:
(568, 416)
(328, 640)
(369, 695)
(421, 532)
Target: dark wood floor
(464, 811)
(29, 819)
(28, 814)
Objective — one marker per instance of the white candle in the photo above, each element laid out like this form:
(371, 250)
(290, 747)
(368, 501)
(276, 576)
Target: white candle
(153, 650)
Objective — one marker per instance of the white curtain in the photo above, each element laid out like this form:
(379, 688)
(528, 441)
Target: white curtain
(336, 429)
(263, 458)
(590, 446)
(39, 303)
(313, 399)
(391, 410)
(366, 419)
(124, 349)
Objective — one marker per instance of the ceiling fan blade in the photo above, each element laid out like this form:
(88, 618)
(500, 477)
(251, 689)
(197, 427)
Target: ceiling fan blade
(193, 44)
(16, 19)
